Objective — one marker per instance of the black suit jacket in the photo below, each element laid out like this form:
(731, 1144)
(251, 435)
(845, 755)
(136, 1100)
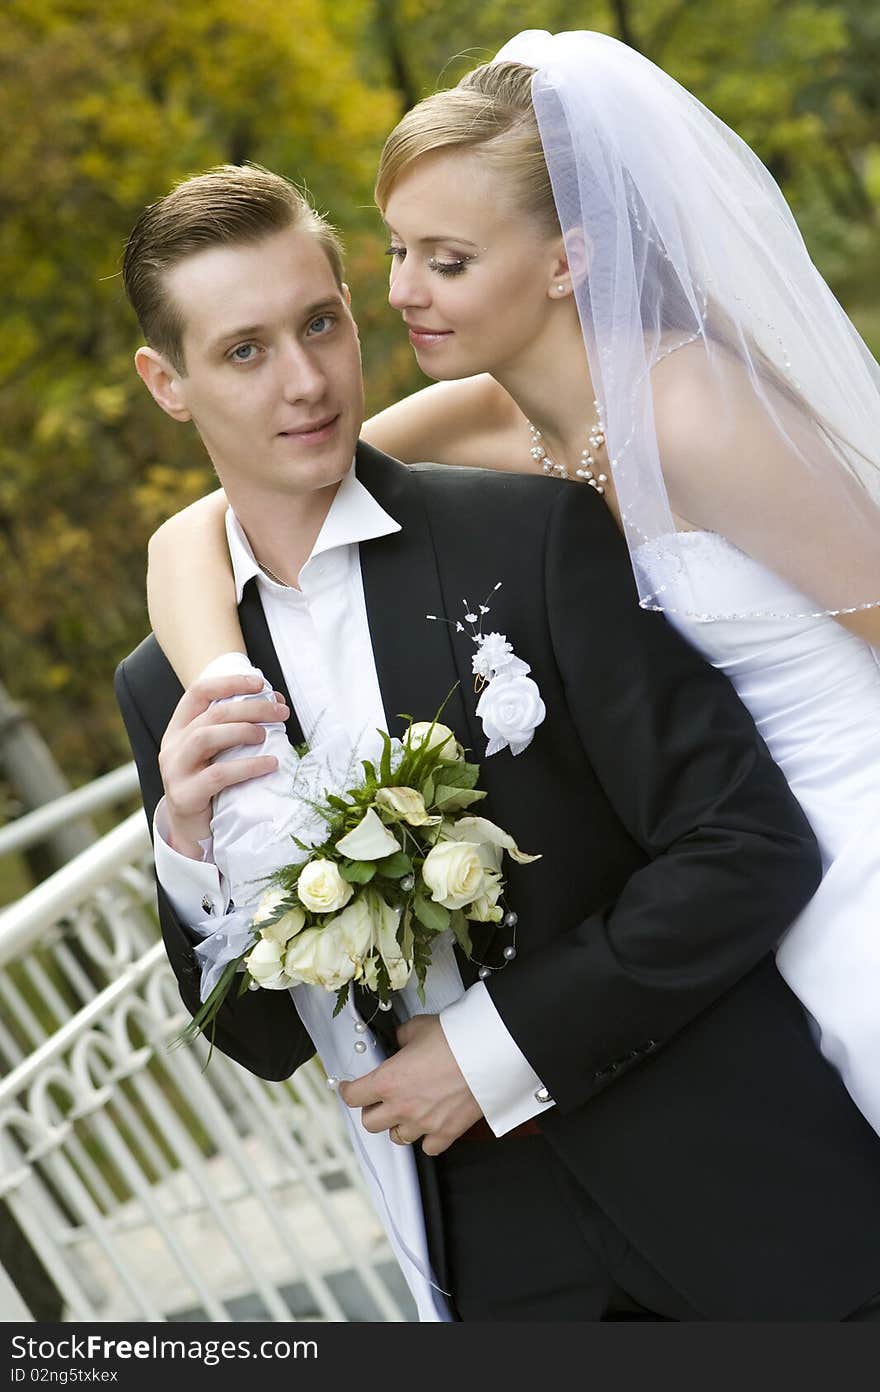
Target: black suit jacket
(690, 1099)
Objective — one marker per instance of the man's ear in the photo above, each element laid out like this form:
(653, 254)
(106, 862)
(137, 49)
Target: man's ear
(346, 295)
(162, 381)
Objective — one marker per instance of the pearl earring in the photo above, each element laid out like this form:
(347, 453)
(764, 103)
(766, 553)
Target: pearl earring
(560, 289)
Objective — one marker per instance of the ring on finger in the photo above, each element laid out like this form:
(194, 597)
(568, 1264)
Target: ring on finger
(394, 1133)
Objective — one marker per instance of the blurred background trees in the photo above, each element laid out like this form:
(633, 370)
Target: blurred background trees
(104, 105)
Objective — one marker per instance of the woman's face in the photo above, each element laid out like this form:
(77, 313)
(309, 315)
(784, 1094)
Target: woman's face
(471, 279)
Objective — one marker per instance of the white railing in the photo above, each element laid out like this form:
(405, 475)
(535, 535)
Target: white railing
(150, 1186)
(38, 825)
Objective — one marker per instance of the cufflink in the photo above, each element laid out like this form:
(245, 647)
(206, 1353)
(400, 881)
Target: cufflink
(207, 905)
(543, 1095)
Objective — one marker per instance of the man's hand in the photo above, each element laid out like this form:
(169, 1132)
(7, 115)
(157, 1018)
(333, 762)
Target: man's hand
(197, 732)
(420, 1092)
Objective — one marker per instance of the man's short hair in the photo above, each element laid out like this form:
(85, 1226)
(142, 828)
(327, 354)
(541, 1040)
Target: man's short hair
(230, 205)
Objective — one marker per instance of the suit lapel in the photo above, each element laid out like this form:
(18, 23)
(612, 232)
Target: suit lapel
(416, 660)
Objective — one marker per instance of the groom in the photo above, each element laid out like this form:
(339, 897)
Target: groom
(629, 1118)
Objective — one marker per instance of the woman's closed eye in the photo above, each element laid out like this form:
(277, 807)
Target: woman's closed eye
(448, 268)
(454, 265)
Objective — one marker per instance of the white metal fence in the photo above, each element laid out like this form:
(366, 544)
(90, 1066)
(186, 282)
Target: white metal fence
(150, 1187)
(39, 824)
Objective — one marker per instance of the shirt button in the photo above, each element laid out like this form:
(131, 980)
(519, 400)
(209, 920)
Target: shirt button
(543, 1095)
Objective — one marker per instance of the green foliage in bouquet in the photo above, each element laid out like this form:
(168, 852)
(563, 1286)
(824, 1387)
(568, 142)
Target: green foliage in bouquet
(402, 861)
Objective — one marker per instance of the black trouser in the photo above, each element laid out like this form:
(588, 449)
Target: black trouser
(869, 1313)
(524, 1241)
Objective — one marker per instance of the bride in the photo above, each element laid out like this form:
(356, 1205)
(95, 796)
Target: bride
(607, 286)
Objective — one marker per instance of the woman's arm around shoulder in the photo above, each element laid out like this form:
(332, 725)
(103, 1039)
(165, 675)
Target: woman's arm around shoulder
(470, 422)
(190, 589)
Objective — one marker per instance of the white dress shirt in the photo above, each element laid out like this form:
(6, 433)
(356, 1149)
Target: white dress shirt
(322, 639)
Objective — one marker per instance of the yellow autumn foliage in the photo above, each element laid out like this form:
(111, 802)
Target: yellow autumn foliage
(103, 105)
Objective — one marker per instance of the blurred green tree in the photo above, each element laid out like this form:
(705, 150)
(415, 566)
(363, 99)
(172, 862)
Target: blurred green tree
(103, 106)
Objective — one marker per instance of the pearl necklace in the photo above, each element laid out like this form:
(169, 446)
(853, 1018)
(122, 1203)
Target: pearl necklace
(587, 467)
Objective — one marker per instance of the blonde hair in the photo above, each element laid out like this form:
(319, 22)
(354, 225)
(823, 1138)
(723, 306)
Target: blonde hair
(490, 110)
(229, 205)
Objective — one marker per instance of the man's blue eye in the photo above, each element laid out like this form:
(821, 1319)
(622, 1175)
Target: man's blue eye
(325, 319)
(243, 348)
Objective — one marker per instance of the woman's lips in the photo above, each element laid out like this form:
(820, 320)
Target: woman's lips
(422, 337)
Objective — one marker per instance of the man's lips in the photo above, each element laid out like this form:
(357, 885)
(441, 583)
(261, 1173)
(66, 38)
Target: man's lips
(312, 432)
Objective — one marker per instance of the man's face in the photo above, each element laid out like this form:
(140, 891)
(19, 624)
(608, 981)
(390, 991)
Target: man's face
(273, 372)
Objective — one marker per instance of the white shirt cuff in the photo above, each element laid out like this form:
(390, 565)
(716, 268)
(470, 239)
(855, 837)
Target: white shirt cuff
(193, 887)
(495, 1069)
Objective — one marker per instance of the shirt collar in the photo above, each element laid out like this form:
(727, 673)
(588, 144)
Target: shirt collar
(354, 516)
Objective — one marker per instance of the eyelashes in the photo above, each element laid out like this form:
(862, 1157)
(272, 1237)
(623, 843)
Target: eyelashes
(255, 351)
(443, 268)
(447, 268)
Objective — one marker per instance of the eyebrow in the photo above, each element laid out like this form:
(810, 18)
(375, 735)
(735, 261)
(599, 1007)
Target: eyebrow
(437, 237)
(251, 330)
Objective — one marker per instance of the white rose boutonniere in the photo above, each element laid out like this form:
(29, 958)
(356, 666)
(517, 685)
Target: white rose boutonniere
(511, 709)
(510, 704)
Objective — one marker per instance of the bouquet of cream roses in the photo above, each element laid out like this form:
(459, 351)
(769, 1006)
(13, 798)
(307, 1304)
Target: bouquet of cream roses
(402, 861)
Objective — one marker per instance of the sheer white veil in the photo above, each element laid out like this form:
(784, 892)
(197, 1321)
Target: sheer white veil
(679, 238)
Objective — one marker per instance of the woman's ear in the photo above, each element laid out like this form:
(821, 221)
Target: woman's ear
(163, 382)
(572, 264)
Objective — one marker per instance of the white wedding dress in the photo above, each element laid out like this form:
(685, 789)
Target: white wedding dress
(813, 690)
